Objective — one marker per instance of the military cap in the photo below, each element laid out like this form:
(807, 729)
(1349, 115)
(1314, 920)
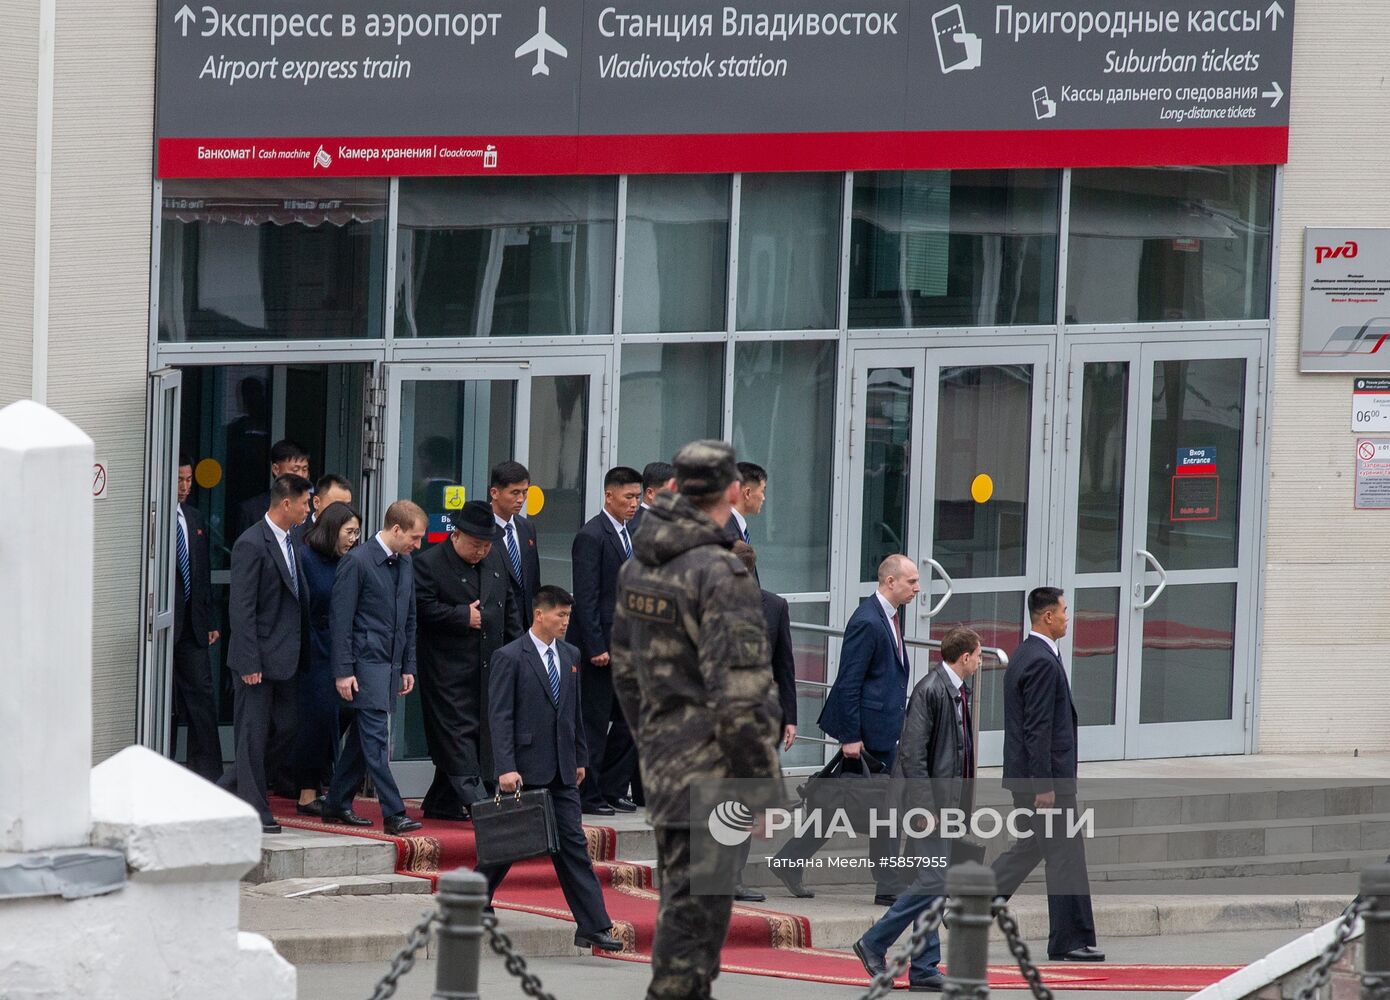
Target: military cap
(704, 468)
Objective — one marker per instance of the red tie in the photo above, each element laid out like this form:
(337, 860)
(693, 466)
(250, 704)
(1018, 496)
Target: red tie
(898, 631)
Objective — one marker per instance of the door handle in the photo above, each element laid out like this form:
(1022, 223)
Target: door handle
(925, 596)
(1162, 581)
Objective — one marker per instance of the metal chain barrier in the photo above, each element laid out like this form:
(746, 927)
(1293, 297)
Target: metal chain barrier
(901, 958)
(1322, 970)
(1019, 949)
(404, 961)
(515, 963)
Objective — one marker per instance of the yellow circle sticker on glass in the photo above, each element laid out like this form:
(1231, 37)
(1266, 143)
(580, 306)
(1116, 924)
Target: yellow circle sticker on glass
(535, 501)
(981, 488)
(208, 473)
(454, 497)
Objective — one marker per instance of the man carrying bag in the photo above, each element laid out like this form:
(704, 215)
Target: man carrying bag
(538, 744)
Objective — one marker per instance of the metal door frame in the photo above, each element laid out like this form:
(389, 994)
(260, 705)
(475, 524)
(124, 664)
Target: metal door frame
(159, 568)
(414, 776)
(1148, 740)
(927, 360)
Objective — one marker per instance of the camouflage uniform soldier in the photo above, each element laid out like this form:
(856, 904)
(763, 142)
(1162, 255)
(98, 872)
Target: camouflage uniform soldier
(691, 670)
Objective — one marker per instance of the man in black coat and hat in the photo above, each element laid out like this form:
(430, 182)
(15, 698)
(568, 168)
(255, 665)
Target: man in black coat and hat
(466, 610)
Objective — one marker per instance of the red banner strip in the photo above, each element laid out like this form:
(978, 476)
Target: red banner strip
(415, 156)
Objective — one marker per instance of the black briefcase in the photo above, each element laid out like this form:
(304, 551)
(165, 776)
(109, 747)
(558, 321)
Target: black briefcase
(856, 788)
(510, 828)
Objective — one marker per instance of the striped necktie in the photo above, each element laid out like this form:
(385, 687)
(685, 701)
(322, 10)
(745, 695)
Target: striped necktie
(514, 553)
(289, 561)
(185, 566)
(627, 546)
(553, 672)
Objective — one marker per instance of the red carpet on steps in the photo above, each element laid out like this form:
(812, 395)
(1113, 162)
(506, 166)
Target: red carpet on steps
(761, 941)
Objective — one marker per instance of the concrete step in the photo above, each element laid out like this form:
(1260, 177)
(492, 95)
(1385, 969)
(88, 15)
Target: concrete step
(308, 854)
(372, 928)
(1246, 867)
(341, 885)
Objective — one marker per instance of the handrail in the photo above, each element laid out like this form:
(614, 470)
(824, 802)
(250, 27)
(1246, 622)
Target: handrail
(828, 631)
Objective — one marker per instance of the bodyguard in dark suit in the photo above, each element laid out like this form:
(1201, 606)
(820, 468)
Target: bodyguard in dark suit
(538, 742)
(195, 630)
(865, 706)
(752, 494)
(286, 457)
(510, 483)
(373, 630)
(269, 618)
(466, 607)
(656, 476)
(1040, 771)
(599, 551)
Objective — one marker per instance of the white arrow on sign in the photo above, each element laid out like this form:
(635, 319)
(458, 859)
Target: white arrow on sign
(185, 17)
(1275, 11)
(1277, 93)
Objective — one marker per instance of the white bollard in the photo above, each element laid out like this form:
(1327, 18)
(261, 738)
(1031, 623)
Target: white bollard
(45, 629)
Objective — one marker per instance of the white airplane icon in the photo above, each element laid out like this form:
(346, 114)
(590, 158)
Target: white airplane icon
(540, 43)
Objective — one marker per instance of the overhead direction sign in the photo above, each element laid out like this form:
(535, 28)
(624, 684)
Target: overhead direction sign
(255, 87)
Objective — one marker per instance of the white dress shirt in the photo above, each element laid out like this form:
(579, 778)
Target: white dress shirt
(742, 523)
(892, 614)
(619, 526)
(1050, 644)
(280, 537)
(956, 684)
(541, 649)
(384, 547)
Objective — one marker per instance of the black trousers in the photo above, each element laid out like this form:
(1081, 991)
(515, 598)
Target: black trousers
(193, 706)
(612, 754)
(450, 794)
(882, 847)
(572, 865)
(263, 722)
(366, 750)
(1070, 922)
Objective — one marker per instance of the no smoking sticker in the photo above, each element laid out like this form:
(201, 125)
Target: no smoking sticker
(1372, 474)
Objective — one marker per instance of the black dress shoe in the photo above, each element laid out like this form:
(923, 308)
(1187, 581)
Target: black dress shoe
(1085, 953)
(271, 828)
(792, 880)
(927, 984)
(314, 808)
(747, 894)
(601, 940)
(873, 964)
(885, 899)
(603, 810)
(461, 816)
(400, 824)
(344, 816)
(623, 805)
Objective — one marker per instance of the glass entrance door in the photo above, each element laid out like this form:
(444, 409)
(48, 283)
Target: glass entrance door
(447, 425)
(1159, 544)
(157, 576)
(948, 458)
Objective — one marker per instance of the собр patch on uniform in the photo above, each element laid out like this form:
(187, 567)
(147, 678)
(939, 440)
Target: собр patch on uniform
(651, 605)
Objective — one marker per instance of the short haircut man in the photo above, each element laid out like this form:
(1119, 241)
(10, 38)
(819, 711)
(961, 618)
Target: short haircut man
(405, 514)
(288, 487)
(621, 475)
(1040, 599)
(331, 481)
(508, 473)
(285, 450)
(550, 597)
(959, 641)
(655, 475)
(750, 474)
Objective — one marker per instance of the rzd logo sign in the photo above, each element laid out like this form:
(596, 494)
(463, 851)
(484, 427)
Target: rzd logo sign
(1347, 250)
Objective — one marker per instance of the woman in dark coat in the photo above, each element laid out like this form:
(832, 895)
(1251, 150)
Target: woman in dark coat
(316, 738)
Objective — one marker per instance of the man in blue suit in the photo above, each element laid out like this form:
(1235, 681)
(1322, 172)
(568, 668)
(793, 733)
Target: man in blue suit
(864, 709)
(538, 742)
(1040, 772)
(599, 551)
(372, 622)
